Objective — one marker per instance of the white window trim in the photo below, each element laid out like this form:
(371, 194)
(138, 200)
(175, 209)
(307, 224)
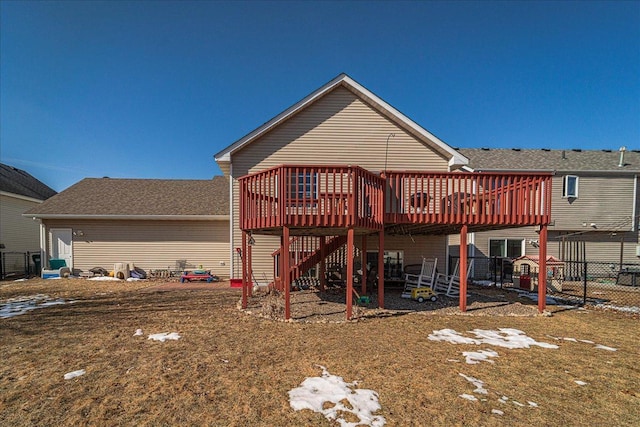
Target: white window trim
(565, 182)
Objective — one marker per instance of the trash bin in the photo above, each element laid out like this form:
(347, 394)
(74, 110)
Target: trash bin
(36, 263)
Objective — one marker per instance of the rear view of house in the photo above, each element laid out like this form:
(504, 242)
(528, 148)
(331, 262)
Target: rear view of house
(19, 235)
(343, 172)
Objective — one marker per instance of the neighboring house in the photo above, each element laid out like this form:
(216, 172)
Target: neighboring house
(19, 192)
(595, 205)
(333, 174)
(153, 223)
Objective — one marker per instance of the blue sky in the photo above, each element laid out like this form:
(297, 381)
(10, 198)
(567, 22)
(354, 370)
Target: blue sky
(154, 89)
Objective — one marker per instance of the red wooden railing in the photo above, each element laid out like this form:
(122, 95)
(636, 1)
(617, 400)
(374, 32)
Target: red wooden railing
(349, 196)
(311, 196)
(468, 198)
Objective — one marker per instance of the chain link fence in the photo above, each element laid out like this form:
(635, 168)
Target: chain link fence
(603, 284)
(19, 264)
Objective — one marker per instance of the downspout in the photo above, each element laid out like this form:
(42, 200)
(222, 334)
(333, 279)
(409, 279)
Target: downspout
(43, 247)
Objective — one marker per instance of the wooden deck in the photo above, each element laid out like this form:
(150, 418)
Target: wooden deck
(327, 200)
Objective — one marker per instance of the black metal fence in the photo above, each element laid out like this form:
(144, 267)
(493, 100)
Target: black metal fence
(18, 264)
(604, 284)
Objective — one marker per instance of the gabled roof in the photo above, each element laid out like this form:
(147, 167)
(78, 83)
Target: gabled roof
(16, 181)
(489, 159)
(456, 159)
(110, 198)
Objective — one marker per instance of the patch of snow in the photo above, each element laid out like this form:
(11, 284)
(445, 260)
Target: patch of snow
(504, 337)
(497, 412)
(570, 339)
(580, 382)
(133, 279)
(453, 360)
(587, 341)
(484, 283)
(73, 374)
(476, 382)
(20, 280)
(604, 347)
(138, 333)
(468, 397)
(475, 357)
(163, 336)
(314, 392)
(104, 279)
(504, 399)
(21, 305)
(532, 404)
(515, 402)
(626, 309)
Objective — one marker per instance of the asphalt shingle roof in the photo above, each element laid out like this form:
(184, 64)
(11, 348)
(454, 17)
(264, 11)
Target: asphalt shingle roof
(139, 197)
(17, 181)
(553, 160)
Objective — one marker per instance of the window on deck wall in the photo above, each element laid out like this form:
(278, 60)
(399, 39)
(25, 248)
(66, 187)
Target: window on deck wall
(506, 248)
(570, 186)
(303, 186)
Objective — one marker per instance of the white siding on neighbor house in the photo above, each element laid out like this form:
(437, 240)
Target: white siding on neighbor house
(18, 233)
(150, 245)
(338, 129)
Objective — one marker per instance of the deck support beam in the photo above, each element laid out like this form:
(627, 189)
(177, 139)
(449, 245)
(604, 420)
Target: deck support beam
(381, 269)
(463, 268)
(323, 264)
(244, 269)
(363, 266)
(542, 274)
(285, 273)
(249, 269)
(350, 244)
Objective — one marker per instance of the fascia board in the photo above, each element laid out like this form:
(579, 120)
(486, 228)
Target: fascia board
(133, 217)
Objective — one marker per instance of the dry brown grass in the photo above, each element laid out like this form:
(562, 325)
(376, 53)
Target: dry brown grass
(234, 369)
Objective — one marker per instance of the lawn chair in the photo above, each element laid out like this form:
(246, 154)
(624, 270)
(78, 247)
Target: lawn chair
(426, 277)
(450, 284)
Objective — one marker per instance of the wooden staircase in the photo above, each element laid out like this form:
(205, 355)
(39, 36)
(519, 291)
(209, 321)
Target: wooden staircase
(305, 253)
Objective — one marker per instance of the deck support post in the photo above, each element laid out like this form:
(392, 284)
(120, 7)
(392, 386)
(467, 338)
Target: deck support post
(249, 271)
(323, 264)
(285, 273)
(463, 268)
(363, 265)
(244, 269)
(542, 274)
(381, 269)
(350, 244)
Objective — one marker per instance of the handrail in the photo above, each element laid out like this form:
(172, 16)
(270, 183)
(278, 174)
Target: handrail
(349, 196)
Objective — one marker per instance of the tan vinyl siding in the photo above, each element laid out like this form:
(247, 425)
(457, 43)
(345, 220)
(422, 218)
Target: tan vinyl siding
(338, 129)
(149, 244)
(18, 233)
(604, 201)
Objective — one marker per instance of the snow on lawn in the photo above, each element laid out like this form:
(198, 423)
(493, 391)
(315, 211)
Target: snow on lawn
(21, 305)
(326, 394)
(598, 346)
(70, 375)
(480, 389)
(104, 279)
(163, 336)
(475, 357)
(503, 337)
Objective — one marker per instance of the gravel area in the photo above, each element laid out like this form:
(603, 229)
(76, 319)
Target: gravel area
(329, 306)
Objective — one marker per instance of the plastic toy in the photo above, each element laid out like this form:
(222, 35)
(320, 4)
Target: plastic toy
(188, 276)
(424, 293)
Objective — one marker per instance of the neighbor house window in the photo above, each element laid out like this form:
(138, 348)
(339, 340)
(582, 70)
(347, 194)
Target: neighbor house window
(570, 186)
(506, 248)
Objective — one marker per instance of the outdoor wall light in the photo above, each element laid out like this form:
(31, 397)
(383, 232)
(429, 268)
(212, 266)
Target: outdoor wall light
(78, 233)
